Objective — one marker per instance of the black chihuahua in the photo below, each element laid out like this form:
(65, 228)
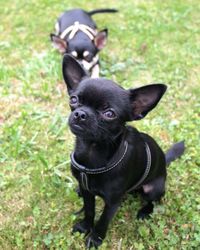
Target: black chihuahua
(110, 158)
(76, 34)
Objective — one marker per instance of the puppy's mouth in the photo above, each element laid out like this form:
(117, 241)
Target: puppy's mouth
(81, 131)
(76, 129)
(85, 64)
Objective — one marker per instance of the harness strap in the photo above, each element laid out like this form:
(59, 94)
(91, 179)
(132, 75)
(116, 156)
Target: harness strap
(82, 168)
(84, 181)
(148, 167)
(73, 29)
(85, 171)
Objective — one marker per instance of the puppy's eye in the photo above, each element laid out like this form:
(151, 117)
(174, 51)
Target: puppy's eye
(109, 114)
(73, 100)
(87, 56)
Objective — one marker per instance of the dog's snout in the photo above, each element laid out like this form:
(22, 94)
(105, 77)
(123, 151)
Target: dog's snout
(80, 115)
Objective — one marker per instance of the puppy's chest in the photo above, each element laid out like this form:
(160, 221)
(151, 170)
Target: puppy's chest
(92, 183)
(92, 157)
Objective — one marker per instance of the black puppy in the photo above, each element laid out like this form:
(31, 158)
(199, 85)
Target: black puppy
(76, 33)
(110, 158)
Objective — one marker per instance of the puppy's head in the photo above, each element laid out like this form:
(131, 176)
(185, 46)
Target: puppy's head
(82, 47)
(100, 108)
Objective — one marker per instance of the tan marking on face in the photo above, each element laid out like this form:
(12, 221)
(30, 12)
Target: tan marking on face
(86, 53)
(86, 64)
(74, 53)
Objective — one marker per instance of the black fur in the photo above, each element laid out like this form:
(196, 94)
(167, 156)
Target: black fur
(100, 110)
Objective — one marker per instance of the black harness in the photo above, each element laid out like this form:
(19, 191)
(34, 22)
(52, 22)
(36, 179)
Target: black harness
(121, 153)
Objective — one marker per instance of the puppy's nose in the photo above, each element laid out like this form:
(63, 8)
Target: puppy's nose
(80, 115)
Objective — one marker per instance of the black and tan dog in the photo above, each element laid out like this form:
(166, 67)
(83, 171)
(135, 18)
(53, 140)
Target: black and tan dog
(110, 158)
(76, 34)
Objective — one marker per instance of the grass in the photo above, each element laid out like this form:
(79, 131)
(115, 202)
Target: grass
(149, 41)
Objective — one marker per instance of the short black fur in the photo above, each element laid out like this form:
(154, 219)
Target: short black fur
(100, 109)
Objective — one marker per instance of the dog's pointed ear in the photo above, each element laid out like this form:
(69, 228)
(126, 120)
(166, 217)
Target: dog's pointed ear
(58, 43)
(72, 71)
(144, 99)
(101, 39)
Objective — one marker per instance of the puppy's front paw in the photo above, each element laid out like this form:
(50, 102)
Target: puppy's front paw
(145, 212)
(142, 215)
(81, 227)
(93, 240)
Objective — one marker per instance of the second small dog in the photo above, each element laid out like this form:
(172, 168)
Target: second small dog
(110, 158)
(76, 34)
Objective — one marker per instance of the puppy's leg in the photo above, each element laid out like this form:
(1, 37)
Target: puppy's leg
(99, 231)
(95, 71)
(78, 191)
(152, 191)
(145, 211)
(87, 223)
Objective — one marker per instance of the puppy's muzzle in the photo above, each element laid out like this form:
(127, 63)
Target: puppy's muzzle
(79, 116)
(89, 65)
(78, 121)
(82, 121)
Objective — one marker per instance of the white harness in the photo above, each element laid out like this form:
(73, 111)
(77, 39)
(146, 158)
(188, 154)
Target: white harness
(71, 32)
(73, 29)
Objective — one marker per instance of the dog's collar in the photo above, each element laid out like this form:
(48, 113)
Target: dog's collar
(84, 171)
(111, 165)
(73, 29)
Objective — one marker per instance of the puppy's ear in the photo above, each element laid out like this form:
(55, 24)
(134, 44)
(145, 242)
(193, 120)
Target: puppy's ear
(101, 39)
(144, 99)
(73, 72)
(59, 43)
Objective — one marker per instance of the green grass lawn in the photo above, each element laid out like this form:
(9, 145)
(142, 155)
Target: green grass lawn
(149, 41)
